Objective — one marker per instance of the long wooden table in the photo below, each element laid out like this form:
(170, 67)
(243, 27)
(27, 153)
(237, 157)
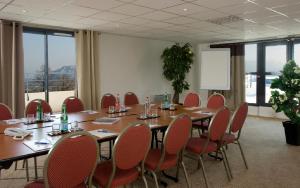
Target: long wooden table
(12, 150)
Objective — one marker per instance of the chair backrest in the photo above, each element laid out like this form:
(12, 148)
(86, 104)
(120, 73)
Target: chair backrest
(73, 104)
(130, 99)
(31, 107)
(177, 134)
(219, 124)
(108, 100)
(5, 112)
(132, 146)
(71, 161)
(239, 117)
(191, 100)
(216, 101)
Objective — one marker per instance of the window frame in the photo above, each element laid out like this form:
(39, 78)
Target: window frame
(46, 33)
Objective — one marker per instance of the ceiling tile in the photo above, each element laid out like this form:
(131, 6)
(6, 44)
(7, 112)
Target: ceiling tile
(132, 10)
(205, 15)
(37, 4)
(185, 9)
(62, 17)
(180, 20)
(91, 21)
(75, 10)
(158, 15)
(215, 4)
(20, 10)
(98, 4)
(158, 4)
(110, 16)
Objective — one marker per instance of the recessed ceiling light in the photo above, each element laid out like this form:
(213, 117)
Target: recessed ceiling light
(185, 9)
(24, 11)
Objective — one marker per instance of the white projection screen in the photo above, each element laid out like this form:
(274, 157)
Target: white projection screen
(215, 69)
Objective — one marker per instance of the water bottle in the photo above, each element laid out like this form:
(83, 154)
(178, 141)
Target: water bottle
(166, 100)
(117, 104)
(39, 111)
(64, 118)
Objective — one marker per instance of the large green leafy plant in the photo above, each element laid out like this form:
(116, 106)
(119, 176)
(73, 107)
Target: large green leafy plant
(286, 94)
(177, 61)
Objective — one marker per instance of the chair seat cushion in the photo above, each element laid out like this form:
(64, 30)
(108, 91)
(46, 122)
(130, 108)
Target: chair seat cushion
(153, 158)
(40, 184)
(201, 124)
(197, 145)
(229, 138)
(122, 177)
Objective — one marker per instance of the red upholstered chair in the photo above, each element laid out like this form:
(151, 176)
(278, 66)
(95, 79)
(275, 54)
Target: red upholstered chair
(108, 100)
(213, 142)
(215, 101)
(191, 100)
(31, 107)
(73, 104)
(171, 153)
(5, 112)
(130, 99)
(236, 125)
(129, 153)
(70, 163)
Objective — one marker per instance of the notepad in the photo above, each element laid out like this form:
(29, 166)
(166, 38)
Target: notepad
(38, 145)
(106, 120)
(90, 111)
(154, 125)
(102, 133)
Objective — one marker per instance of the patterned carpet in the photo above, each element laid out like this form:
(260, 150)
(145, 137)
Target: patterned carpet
(271, 162)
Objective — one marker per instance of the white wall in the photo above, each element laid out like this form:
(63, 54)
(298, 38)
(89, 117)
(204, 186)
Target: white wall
(133, 64)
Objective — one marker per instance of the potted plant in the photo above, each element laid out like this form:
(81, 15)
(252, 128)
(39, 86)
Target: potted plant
(177, 61)
(286, 97)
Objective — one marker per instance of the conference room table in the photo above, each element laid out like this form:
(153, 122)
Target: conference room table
(13, 150)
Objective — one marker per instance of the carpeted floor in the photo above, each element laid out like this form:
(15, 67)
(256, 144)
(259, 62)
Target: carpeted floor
(272, 163)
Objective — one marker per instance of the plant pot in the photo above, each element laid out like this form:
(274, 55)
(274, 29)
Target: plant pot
(292, 133)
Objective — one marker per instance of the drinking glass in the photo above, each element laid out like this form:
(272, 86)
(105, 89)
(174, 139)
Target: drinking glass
(154, 112)
(55, 128)
(47, 116)
(74, 126)
(30, 118)
(111, 109)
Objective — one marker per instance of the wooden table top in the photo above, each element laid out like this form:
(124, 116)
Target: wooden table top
(11, 150)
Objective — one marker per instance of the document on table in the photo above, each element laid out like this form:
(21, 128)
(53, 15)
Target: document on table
(154, 125)
(203, 112)
(90, 111)
(106, 120)
(192, 108)
(13, 121)
(38, 145)
(102, 133)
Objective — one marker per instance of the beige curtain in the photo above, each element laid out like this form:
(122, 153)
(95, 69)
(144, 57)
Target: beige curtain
(236, 95)
(12, 67)
(87, 50)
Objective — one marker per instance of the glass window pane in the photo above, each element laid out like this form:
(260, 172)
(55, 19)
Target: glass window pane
(251, 69)
(297, 53)
(34, 61)
(275, 60)
(62, 66)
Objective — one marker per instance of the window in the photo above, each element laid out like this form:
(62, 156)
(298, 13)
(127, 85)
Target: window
(49, 64)
(263, 63)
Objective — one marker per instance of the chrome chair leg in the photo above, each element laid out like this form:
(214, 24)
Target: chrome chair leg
(243, 155)
(145, 181)
(225, 165)
(225, 155)
(203, 171)
(185, 174)
(155, 178)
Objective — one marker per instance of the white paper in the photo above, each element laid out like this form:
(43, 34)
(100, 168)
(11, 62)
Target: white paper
(101, 133)
(106, 120)
(90, 111)
(33, 144)
(202, 112)
(191, 108)
(154, 125)
(13, 121)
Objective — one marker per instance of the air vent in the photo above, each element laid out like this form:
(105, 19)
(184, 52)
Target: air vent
(225, 20)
